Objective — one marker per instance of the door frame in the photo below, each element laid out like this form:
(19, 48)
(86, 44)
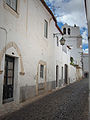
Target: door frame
(12, 49)
(38, 74)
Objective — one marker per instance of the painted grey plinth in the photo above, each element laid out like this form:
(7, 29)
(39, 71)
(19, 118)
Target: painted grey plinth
(1, 88)
(16, 91)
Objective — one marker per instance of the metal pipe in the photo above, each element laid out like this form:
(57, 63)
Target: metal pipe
(4, 30)
(6, 36)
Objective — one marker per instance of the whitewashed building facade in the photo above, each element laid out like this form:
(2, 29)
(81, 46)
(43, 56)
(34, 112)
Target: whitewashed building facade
(32, 61)
(28, 50)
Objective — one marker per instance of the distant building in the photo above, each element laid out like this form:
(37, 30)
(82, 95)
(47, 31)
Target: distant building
(74, 41)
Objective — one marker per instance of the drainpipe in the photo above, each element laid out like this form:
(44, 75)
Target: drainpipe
(5, 32)
(1, 79)
(2, 28)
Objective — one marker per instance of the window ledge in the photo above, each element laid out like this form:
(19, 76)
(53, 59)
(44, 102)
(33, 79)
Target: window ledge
(46, 39)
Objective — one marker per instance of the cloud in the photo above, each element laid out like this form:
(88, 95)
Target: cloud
(84, 33)
(85, 50)
(70, 11)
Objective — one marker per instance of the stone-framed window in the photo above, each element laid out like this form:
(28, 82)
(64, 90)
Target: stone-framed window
(41, 71)
(12, 4)
(64, 30)
(69, 31)
(45, 29)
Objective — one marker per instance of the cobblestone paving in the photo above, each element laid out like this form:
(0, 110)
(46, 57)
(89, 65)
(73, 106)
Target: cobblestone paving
(69, 103)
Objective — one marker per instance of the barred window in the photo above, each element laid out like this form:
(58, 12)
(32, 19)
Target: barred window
(12, 4)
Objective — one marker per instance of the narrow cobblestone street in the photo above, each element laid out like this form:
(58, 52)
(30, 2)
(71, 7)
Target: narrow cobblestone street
(69, 103)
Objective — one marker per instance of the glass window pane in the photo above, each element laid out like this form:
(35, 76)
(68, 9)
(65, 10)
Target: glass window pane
(10, 73)
(10, 65)
(9, 82)
(12, 4)
(46, 29)
(41, 71)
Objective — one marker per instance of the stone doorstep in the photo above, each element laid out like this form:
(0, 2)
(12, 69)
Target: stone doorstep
(12, 106)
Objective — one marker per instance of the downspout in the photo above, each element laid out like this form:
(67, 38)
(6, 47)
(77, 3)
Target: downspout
(5, 32)
(5, 43)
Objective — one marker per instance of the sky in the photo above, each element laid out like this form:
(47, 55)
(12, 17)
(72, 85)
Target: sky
(71, 12)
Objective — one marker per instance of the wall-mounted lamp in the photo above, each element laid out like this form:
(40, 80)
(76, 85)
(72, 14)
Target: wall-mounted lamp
(62, 40)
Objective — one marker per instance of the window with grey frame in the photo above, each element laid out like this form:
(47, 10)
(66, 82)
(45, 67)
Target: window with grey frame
(41, 71)
(45, 29)
(12, 4)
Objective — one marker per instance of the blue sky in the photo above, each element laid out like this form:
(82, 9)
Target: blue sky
(71, 12)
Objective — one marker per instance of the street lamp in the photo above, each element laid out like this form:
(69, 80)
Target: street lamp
(62, 41)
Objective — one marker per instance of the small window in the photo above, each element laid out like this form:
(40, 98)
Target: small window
(64, 30)
(41, 71)
(68, 31)
(12, 4)
(57, 41)
(45, 29)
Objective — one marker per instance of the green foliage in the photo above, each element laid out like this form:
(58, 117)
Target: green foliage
(72, 60)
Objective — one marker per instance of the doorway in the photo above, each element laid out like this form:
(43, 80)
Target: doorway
(8, 84)
(66, 74)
